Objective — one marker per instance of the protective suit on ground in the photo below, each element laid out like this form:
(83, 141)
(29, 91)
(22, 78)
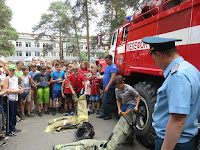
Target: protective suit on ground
(121, 131)
(68, 121)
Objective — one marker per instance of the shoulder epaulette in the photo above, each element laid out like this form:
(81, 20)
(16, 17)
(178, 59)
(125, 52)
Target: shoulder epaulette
(175, 68)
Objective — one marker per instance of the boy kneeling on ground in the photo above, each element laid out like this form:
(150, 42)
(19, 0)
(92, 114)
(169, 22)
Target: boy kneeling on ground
(125, 94)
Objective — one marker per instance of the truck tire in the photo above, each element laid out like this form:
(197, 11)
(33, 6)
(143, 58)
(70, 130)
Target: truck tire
(145, 133)
(197, 141)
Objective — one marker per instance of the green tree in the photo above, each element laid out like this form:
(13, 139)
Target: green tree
(7, 32)
(115, 13)
(56, 22)
(87, 12)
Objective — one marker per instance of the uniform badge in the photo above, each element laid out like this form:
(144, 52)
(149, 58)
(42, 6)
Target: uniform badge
(175, 68)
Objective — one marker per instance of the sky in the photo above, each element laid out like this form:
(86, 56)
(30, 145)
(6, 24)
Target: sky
(27, 13)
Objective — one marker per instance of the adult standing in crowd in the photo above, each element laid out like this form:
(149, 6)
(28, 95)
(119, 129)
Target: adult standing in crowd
(110, 73)
(34, 60)
(42, 62)
(176, 113)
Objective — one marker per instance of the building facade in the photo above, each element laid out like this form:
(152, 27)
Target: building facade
(26, 47)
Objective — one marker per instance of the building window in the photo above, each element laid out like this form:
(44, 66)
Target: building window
(19, 53)
(53, 54)
(28, 44)
(28, 53)
(37, 44)
(44, 45)
(18, 44)
(37, 53)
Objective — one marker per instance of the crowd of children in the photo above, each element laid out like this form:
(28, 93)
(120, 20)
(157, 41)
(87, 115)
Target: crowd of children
(51, 86)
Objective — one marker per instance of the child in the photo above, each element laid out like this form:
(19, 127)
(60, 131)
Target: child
(88, 92)
(66, 66)
(95, 91)
(57, 78)
(62, 64)
(99, 70)
(2, 136)
(76, 80)
(11, 83)
(125, 94)
(42, 83)
(67, 94)
(25, 82)
(19, 72)
(83, 68)
(32, 73)
(49, 70)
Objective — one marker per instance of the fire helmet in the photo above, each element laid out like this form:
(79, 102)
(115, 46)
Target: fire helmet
(85, 131)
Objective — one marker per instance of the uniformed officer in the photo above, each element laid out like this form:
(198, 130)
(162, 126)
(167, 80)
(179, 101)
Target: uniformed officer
(176, 112)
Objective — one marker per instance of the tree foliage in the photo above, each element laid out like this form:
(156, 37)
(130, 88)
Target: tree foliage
(55, 22)
(115, 13)
(87, 12)
(7, 32)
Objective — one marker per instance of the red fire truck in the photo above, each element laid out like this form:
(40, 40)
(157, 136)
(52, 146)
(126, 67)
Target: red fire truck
(163, 18)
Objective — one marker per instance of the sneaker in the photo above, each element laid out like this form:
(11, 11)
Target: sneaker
(40, 114)
(12, 133)
(17, 130)
(98, 112)
(47, 112)
(3, 137)
(100, 116)
(72, 113)
(18, 119)
(107, 118)
(30, 115)
(22, 117)
(93, 111)
(66, 114)
(2, 143)
(60, 110)
(54, 113)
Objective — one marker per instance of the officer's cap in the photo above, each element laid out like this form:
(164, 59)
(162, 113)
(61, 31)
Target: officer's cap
(159, 43)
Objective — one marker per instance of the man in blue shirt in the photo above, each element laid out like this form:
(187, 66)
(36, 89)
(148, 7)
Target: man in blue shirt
(176, 113)
(110, 73)
(57, 78)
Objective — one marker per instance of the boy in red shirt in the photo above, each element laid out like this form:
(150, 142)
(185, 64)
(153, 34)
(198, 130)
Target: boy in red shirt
(95, 91)
(67, 94)
(76, 80)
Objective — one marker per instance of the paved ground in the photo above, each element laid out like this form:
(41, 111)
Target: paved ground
(33, 137)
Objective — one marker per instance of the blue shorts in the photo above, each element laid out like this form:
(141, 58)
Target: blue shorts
(95, 97)
(51, 93)
(56, 94)
(127, 107)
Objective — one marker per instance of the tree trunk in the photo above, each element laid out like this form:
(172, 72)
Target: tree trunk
(88, 37)
(77, 40)
(61, 46)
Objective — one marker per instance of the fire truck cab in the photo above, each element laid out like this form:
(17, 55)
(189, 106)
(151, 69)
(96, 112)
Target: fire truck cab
(163, 18)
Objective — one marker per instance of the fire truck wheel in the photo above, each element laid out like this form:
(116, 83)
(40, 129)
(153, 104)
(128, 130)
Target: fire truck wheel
(197, 141)
(145, 133)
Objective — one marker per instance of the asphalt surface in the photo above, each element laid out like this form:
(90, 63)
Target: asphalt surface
(32, 136)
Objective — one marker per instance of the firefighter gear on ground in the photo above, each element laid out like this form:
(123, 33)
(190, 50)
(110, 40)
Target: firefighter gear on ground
(121, 131)
(86, 131)
(63, 122)
(82, 145)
